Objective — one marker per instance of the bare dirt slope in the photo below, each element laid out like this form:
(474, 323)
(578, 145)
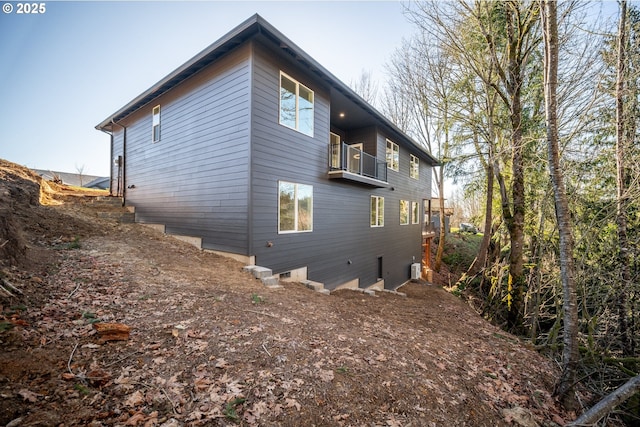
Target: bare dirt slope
(210, 345)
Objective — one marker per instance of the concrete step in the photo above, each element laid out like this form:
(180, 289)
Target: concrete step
(265, 275)
(257, 271)
(316, 286)
(271, 282)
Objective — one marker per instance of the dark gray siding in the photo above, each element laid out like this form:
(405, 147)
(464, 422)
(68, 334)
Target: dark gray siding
(367, 136)
(342, 246)
(195, 179)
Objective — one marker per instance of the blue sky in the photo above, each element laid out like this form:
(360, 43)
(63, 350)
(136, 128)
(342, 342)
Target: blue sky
(64, 71)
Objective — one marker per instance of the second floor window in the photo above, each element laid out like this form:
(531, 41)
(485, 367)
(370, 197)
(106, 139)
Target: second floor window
(414, 171)
(155, 128)
(393, 156)
(296, 105)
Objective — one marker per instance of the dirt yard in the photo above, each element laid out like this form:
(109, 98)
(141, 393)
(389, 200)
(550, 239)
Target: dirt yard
(211, 346)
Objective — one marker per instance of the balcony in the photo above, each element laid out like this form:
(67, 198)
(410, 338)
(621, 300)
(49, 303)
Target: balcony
(349, 162)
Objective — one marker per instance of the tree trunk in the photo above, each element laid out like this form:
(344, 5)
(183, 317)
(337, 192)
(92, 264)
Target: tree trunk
(442, 234)
(621, 181)
(515, 221)
(606, 405)
(481, 259)
(444, 150)
(570, 355)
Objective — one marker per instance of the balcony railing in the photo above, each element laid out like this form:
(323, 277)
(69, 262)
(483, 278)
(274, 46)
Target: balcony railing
(347, 158)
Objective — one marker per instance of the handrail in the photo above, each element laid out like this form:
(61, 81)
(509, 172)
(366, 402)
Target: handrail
(347, 158)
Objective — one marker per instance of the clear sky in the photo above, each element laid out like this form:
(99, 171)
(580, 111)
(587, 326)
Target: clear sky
(68, 68)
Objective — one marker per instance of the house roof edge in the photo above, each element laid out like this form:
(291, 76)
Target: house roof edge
(181, 73)
(250, 27)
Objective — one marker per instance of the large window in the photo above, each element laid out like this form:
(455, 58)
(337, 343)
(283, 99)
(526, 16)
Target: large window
(377, 211)
(404, 212)
(295, 207)
(155, 128)
(296, 105)
(414, 171)
(393, 156)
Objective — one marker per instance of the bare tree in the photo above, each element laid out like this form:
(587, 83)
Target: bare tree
(80, 170)
(622, 122)
(366, 87)
(500, 36)
(570, 355)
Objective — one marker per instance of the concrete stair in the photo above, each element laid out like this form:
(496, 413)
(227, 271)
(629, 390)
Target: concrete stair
(265, 275)
(316, 286)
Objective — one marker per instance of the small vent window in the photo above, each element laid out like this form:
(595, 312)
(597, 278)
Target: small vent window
(155, 130)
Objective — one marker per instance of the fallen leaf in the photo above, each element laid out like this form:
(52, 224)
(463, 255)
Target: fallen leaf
(325, 375)
(135, 399)
(98, 377)
(520, 416)
(135, 419)
(159, 360)
(292, 403)
(153, 420)
(29, 396)
(221, 364)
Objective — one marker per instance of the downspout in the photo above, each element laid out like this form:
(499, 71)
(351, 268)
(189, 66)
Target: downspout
(250, 243)
(124, 160)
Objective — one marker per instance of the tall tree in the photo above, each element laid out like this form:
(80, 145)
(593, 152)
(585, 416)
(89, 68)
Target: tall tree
(521, 39)
(501, 36)
(570, 355)
(622, 134)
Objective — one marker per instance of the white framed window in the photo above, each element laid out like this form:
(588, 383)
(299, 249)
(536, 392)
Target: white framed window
(415, 213)
(377, 211)
(296, 105)
(414, 170)
(404, 212)
(155, 128)
(393, 156)
(295, 207)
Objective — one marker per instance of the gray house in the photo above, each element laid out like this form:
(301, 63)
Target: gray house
(258, 152)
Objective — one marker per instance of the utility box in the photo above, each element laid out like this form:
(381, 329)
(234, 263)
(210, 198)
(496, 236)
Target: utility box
(415, 271)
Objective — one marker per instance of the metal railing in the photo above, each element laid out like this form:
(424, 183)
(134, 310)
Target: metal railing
(351, 159)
